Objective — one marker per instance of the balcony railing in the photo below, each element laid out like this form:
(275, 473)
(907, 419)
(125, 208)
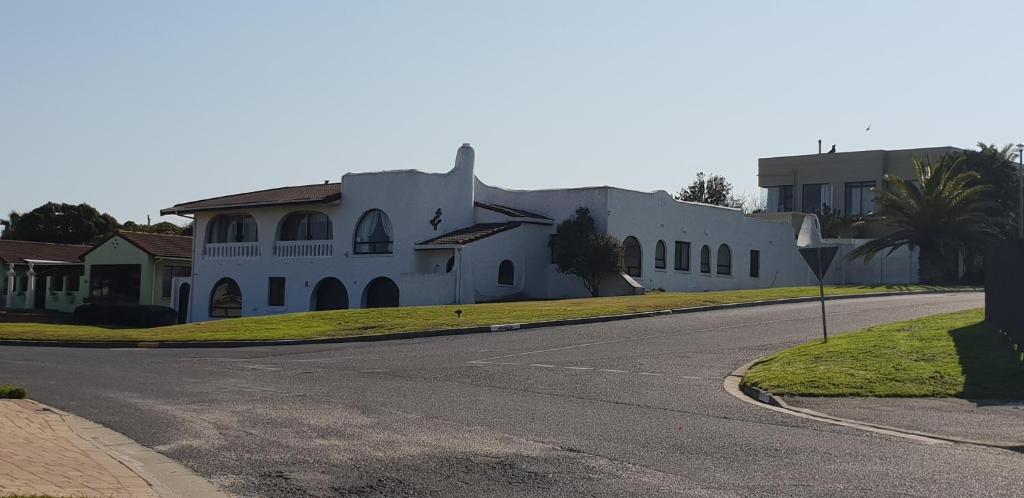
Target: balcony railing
(304, 248)
(232, 250)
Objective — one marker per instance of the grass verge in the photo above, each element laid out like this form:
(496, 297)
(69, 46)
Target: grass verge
(10, 391)
(358, 322)
(949, 355)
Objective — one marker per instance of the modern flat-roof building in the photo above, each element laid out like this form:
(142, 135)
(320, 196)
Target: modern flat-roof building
(841, 180)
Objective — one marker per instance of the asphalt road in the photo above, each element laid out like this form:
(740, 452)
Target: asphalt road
(622, 408)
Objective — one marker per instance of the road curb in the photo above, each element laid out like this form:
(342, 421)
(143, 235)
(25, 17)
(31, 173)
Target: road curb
(456, 331)
(167, 478)
(766, 399)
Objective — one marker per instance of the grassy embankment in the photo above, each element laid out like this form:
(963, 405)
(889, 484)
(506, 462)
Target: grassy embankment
(345, 323)
(949, 355)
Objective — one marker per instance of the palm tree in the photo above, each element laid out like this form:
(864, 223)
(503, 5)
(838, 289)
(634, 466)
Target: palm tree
(944, 211)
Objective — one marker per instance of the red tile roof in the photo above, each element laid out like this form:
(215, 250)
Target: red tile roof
(302, 194)
(18, 251)
(161, 245)
(510, 211)
(470, 234)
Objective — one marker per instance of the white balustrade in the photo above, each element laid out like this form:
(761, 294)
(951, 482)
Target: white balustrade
(232, 250)
(304, 248)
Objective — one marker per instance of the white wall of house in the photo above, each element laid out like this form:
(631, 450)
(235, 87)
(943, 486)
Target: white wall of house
(411, 200)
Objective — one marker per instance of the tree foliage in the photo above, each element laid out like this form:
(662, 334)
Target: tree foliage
(946, 209)
(578, 249)
(995, 167)
(164, 227)
(60, 223)
(713, 189)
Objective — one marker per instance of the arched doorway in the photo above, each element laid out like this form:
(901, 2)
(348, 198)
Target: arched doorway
(632, 256)
(183, 293)
(226, 299)
(381, 293)
(329, 294)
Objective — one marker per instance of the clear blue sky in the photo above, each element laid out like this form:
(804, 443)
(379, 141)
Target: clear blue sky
(134, 106)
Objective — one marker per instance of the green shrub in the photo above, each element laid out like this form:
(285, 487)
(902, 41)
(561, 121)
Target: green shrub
(11, 391)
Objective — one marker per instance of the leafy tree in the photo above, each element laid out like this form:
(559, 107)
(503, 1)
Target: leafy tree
(579, 250)
(995, 167)
(60, 223)
(164, 227)
(945, 210)
(713, 189)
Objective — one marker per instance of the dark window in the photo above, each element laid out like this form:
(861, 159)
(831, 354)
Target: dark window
(231, 228)
(226, 299)
(74, 276)
(373, 233)
(306, 226)
(724, 260)
(755, 263)
(860, 198)
(275, 294)
(168, 274)
(682, 256)
(115, 284)
(632, 256)
(705, 259)
(813, 196)
(57, 280)
(506, 273)
(781, 197)
(659, 255)
(450, 265)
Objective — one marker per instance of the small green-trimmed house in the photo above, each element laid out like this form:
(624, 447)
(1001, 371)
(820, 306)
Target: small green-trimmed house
(136, 268)
(124, 268)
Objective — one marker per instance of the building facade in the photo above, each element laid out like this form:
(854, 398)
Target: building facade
(407, 238)
(842, 181)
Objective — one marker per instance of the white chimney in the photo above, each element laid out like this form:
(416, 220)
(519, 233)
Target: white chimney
(464, 157)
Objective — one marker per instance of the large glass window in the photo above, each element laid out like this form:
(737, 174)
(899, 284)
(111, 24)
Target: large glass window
(860, 198)
(780, 199)
(659, 255)
(306, 226)
(167, 275)
(632, 256)
(682, 256)
(814, 196)
(705, 259)
(226, 299)
(724, 260)
(231, 228)
(506, 273)
(373, 233)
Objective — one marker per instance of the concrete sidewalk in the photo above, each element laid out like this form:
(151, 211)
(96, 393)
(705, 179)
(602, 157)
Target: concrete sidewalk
(999, 423)
(49, 452)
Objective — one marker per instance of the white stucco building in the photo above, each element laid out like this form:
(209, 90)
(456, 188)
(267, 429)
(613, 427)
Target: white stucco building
(415, 238)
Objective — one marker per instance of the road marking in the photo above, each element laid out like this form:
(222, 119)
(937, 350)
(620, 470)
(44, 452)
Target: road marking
(543, 365)
(649, 373)
(612, 370)
(580, 368)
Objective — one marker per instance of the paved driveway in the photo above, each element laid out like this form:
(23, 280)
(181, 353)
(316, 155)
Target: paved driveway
(630, 407)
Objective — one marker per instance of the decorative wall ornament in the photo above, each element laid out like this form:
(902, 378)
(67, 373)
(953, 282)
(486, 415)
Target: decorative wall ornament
(436, 220)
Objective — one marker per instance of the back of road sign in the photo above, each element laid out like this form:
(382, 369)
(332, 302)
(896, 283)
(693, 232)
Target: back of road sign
(811, 255)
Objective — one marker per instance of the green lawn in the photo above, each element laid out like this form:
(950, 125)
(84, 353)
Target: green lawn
(345, 323)
(950, 355)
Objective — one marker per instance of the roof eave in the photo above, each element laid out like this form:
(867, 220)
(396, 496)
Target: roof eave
(176, 210)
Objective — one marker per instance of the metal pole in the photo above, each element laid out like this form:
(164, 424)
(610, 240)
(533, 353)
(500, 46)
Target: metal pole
(1020, 196)
(821, 291)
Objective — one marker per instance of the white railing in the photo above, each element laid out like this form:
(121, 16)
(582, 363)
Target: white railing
(304, 248)
(232, 250)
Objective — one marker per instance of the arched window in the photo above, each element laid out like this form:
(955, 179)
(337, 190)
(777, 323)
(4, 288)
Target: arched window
(329, 294)
(632, 256)
(724, 260)
(373, 233)
(226, 299)
(309, 225)
(229, 228)
(705, 259)
(659, 255)
(506, 273)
